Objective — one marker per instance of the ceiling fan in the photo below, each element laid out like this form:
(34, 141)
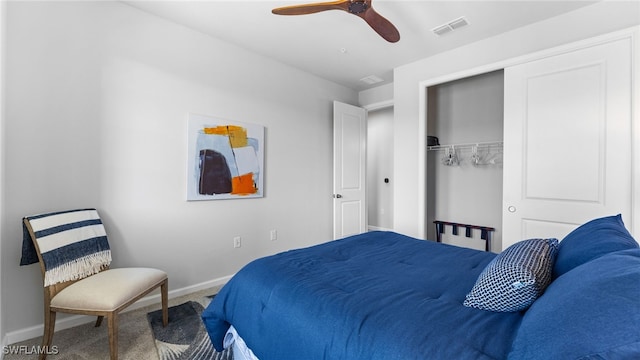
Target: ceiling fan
(360, 8)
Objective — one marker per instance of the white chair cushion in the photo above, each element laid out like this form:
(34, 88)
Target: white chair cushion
(108, 290)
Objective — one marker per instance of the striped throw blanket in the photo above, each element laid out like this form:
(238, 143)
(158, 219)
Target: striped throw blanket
(73, 244)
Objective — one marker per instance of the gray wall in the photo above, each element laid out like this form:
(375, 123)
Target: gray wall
(379, 167)
(96, 106)
(466, 111)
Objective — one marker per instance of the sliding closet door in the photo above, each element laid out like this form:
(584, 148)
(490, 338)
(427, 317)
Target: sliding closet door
(567, 141)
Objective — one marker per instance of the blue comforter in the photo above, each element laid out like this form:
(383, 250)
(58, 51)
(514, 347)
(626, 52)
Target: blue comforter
(379, 295)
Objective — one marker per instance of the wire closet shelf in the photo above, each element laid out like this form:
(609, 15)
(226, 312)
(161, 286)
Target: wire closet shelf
(479, 145)
(482, 153)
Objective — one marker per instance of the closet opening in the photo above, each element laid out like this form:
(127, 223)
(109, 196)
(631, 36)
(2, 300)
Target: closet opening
(464, 173)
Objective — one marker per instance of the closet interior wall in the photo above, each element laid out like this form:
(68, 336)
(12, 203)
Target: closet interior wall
(466, 111)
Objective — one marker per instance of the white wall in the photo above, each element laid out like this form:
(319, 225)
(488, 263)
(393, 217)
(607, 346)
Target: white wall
(3, 18)
(377, 97)
(97, 101)
(410, 80)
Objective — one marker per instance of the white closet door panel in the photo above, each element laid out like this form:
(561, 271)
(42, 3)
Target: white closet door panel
(567, 141)
(546, 228)
(574, 166)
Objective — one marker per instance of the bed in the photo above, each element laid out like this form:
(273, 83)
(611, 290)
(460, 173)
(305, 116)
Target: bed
(383, 295)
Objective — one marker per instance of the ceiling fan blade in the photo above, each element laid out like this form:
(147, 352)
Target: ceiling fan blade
(381, 25)
(360, 8)
(304, 9)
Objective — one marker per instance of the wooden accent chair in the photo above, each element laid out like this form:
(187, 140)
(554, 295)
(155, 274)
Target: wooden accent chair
(74, 257)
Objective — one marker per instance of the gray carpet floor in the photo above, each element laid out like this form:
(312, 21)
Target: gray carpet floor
(86, 342)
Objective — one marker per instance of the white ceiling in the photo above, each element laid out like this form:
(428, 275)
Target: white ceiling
(341, 47)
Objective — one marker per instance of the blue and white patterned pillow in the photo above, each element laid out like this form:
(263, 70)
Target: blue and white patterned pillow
(515, 278)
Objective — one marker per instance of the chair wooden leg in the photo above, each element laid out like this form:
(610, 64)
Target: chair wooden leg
(164, 289)
(112, 323)
(99, 321)
(47, 337)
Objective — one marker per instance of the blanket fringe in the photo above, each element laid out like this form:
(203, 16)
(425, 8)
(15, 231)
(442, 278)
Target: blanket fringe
(78, 269)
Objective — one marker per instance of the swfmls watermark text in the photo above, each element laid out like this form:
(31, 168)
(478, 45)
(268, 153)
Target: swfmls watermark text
(29, 350)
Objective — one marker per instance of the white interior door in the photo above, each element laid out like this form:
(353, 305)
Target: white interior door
(567, 141)
(349, 170)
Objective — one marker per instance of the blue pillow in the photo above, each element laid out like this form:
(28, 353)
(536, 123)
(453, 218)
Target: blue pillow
(515, 278)
(591, 312)
(592, 240)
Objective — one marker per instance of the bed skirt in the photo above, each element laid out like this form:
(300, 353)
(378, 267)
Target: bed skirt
(240, 350)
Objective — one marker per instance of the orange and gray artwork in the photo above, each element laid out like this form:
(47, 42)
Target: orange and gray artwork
(228, 163)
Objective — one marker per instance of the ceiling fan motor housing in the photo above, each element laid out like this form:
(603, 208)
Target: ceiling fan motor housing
(358, 7)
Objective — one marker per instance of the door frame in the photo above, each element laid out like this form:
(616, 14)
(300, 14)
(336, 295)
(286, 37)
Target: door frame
(633, 34)
(374, 107)
(378, 105)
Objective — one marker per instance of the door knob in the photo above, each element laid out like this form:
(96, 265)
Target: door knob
(511, 209)
(337, 196)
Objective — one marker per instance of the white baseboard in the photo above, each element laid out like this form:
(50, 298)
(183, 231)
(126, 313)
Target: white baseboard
(75, 320)
(377, 228)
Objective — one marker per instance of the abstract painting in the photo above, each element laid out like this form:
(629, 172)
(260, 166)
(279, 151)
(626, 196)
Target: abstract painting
(226, 159)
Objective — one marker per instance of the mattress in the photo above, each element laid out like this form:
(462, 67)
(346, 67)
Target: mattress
(378, 295)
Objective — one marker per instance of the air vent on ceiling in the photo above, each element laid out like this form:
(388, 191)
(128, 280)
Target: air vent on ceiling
(450, 26)
(371, 79)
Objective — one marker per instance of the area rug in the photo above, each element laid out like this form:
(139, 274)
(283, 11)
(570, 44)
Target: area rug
(185, 337)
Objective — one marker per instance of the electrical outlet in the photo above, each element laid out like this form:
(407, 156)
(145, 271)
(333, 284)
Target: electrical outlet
(237, 242)
(273, 235)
